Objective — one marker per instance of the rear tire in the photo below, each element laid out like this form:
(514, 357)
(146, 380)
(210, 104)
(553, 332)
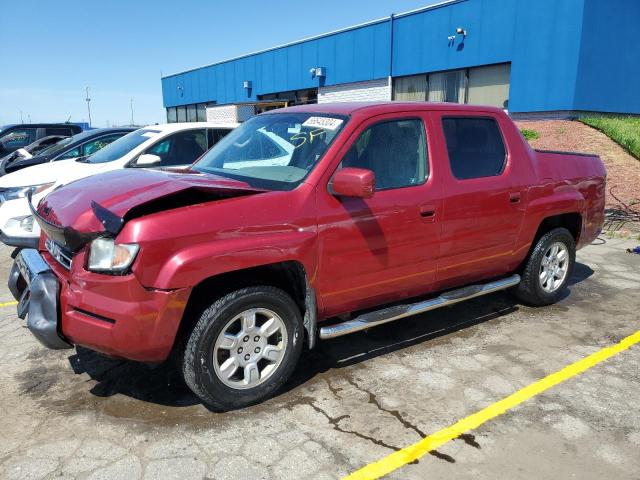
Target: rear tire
(243, 348)
(548, 268)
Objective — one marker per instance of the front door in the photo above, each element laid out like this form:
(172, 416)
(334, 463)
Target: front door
(384, 248)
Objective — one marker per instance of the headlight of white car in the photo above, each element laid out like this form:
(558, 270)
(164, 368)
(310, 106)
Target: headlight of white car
(26, 223)
(107, 256)
(13, 193)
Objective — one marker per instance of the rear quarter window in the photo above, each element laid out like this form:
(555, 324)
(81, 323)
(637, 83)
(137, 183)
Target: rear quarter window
(475, 147)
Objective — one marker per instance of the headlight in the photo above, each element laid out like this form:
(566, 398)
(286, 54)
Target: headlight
(107, 256)
(14, 193)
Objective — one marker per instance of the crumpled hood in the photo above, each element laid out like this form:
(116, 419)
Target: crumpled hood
(75, 208)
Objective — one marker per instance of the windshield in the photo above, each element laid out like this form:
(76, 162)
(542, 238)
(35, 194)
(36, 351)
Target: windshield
(273, 151)
(120, 147)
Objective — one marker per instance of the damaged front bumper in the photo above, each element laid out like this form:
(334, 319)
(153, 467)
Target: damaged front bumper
(66, 305)
(35, 286)
(111, 314)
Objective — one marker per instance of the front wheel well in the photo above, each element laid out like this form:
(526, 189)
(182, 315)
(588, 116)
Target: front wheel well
(289, 276)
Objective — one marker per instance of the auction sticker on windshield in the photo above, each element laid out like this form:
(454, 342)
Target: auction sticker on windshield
(327, 123)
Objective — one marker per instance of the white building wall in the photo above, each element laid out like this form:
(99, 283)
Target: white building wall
(370, 91)
(230, 113)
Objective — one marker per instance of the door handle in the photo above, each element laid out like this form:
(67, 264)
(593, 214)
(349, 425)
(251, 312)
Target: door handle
(428, 212)
(514, 197)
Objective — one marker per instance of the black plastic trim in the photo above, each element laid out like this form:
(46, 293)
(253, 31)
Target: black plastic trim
(95, 315)
(111, 222)
(21, 242)
(561, 152)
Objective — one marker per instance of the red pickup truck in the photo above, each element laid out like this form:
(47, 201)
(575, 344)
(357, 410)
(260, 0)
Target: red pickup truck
(303, 223)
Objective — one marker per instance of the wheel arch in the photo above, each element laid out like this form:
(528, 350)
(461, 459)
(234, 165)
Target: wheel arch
(572, 221)
(290, 276)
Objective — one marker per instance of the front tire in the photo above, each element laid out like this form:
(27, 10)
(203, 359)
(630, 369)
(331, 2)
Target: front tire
(243, 348)
(548, 268)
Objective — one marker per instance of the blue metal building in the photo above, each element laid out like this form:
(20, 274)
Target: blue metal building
(534, 57)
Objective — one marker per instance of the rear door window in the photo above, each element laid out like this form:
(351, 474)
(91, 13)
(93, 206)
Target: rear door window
(475, 147)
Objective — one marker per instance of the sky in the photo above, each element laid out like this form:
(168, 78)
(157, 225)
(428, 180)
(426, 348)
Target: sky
(50, 51)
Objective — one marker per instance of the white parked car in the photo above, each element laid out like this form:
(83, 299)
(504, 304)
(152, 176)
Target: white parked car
(156, 146)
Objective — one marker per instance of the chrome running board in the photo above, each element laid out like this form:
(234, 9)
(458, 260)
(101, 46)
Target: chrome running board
(390, 314)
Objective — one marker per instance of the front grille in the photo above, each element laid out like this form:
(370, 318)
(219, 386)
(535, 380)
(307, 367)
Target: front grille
(63, 256)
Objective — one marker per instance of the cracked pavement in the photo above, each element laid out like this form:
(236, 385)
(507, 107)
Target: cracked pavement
(354, 400)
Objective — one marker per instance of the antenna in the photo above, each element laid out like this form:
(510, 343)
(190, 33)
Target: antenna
(132, 122)
(21, 118)
(87, 99)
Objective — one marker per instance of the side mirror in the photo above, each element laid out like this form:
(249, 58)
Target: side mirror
(147, 160)
(354, 182)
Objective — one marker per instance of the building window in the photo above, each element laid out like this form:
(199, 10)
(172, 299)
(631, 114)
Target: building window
(450, 87)
(201, 112)
(182, 114)
(490, 85)
(293, 97)
(487, 85)
(172, 115)
(191, 113)
(410, 89)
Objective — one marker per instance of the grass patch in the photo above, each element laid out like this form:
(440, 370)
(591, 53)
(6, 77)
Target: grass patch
(530, 134)
(622, 130)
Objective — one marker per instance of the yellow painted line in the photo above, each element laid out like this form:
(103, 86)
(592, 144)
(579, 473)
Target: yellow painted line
(413, 452)
(8, 304)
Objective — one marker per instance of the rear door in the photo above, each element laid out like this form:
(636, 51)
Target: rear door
(383, 248)
(484, 197)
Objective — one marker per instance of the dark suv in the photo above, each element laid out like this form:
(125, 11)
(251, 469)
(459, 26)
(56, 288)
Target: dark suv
(13, 137)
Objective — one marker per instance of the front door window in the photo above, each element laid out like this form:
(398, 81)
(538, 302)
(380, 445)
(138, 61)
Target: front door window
(182, 148)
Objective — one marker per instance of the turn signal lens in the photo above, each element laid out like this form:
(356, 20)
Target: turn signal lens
(107, 256)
